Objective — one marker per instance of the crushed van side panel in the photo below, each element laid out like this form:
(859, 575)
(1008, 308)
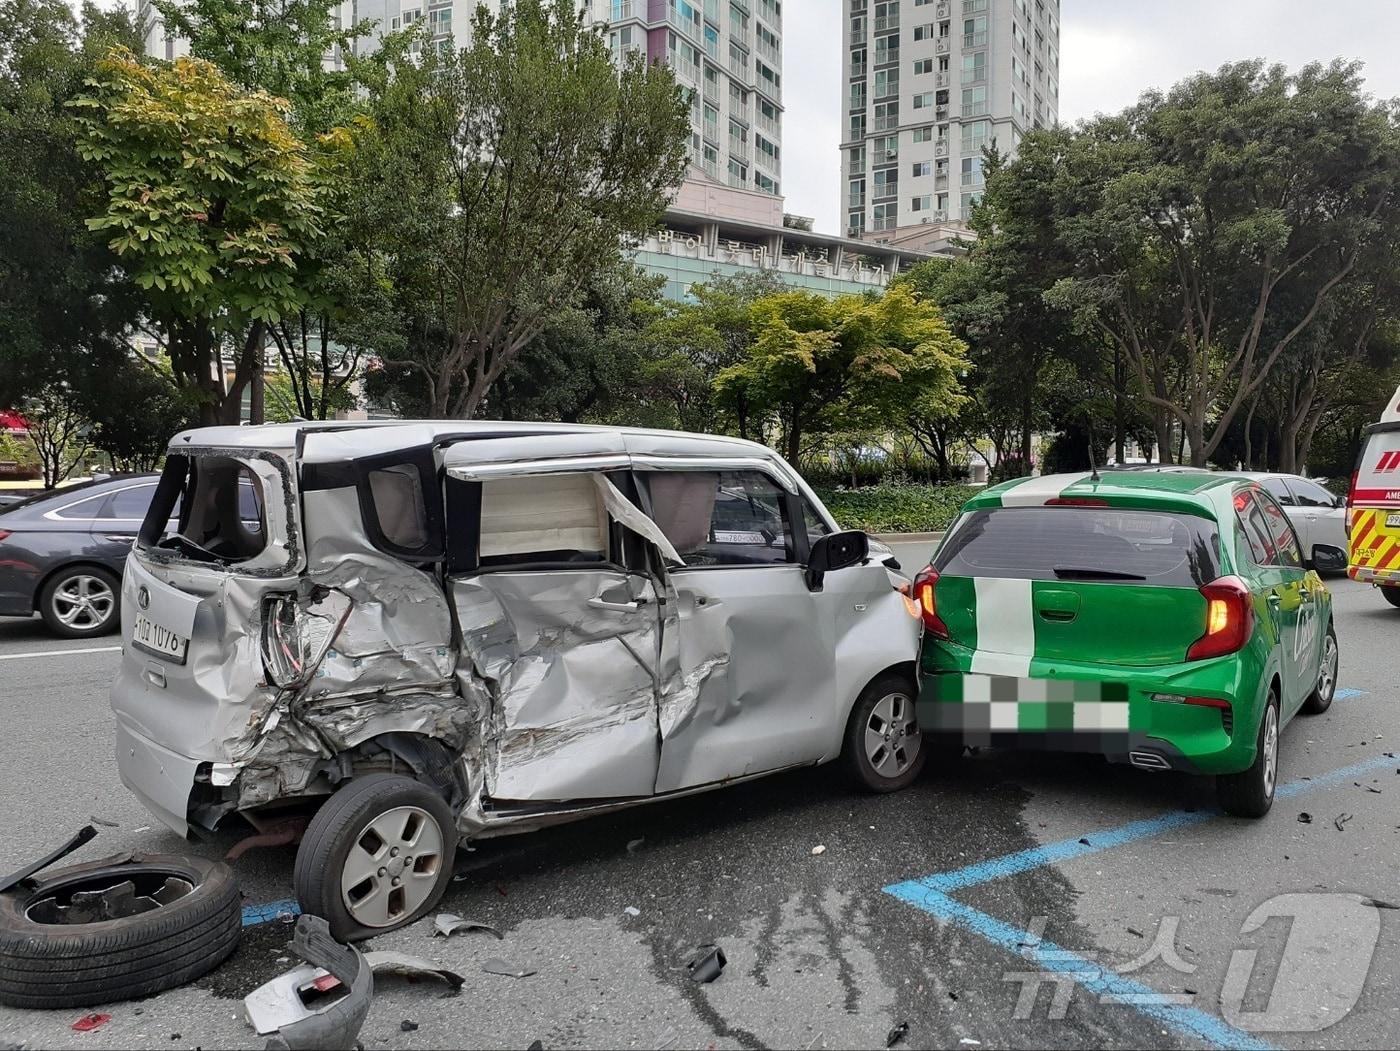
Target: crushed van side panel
(572, 686)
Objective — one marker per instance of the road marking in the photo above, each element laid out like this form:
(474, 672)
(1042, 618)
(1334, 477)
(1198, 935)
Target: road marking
(931, 895)
(1346, 695)
(58, 653)
(287, 909)
(1093, 842)
(1094, 977)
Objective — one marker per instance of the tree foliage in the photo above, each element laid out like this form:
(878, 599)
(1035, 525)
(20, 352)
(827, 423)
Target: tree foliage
(819, 365)
(211, 202)
(502, 176)
(1211, 226)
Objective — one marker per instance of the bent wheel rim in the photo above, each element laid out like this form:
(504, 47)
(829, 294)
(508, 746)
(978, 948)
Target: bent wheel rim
(110, 895)
(892, 738)
(83, 601)
(393, 866)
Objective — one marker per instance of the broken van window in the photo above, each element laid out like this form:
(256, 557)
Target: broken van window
(222, 512)
(399, 506)
(538, 519)
(721, 518)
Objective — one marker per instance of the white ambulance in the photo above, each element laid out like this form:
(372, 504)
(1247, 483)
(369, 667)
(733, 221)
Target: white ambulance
(1373, 506)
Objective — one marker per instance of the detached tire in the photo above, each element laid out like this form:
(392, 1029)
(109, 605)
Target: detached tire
(884, 750)
(48, 961)
(377, 856)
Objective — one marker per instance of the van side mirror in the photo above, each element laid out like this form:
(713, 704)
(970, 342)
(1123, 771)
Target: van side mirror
(835, 551)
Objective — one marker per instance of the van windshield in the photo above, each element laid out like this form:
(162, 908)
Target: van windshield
(222, 509)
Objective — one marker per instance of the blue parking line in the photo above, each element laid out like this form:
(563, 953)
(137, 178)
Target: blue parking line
(1348, 694)
(1093, 842)
(287, 909)
(931, 894)
(1094, 977)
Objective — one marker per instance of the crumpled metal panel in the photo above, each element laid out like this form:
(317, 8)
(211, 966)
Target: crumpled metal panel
(572, 685)
(399, 633)
(754, 685)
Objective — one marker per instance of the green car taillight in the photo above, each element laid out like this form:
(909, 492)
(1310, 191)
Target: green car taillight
(925, 594)
(1229, 619)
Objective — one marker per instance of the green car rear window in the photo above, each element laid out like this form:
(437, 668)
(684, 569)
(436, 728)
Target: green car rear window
(1108, 544)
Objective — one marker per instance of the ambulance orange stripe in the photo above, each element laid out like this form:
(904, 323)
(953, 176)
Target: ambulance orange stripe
(1390, 557)
(1382, 550)
(1361, 531)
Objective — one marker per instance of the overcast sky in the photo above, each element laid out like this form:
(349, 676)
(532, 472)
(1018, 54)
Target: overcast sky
(1110, 52)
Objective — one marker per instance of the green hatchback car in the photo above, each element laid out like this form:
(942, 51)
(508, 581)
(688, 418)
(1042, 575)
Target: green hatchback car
(1167, 620)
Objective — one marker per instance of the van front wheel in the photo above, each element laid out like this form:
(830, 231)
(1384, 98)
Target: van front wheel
(377, 856)
(884, 750)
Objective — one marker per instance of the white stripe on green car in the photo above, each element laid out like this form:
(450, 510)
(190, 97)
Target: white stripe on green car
(1034, 492)
(1005, 627)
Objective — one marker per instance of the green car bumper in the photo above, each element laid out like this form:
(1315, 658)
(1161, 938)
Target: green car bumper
(1199, 716)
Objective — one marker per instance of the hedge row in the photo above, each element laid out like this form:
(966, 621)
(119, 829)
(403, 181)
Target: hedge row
(894, 507)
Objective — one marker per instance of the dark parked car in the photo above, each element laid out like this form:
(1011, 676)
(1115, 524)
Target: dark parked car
(62, 553)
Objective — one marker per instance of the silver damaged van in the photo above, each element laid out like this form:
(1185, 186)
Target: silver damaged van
(418, 634)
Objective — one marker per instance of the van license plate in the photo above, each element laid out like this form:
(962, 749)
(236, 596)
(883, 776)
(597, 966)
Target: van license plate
(1392, 520)
(164, 643)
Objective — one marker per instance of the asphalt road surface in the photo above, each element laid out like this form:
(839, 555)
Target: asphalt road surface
(1134, 914)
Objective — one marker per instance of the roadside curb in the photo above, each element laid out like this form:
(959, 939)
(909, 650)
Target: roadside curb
(907, 538)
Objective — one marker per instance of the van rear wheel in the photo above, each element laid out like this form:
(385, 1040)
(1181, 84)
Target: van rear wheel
(1392, 595)
(377, 856)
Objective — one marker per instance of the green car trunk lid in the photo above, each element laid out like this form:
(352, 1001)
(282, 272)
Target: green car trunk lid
(1007, 621)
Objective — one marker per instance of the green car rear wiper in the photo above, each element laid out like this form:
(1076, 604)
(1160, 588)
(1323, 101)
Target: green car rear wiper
(1076, 572)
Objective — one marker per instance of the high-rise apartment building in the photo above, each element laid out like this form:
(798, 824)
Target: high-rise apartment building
(926, 85)
(727, 53)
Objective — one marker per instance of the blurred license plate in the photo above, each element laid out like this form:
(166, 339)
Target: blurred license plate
(151, 637)
(1393, 519)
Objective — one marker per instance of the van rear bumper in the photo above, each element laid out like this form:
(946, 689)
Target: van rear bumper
(1367, 575)
(160, 778)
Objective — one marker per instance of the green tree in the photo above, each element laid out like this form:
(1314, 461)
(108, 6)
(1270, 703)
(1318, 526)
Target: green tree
(64, 305)
(212, 201)
(134, 410)
(693, 342)
(586, 364)
(501, 177)
(853, 363)
(1197, 217)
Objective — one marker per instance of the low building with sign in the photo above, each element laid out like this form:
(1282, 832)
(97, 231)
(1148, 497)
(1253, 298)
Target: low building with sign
(713, 230)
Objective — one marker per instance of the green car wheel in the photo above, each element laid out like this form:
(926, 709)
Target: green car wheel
(1251, 793)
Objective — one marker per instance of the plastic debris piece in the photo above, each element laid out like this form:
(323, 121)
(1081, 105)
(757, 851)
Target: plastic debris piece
(495, 965)
(969, 1042)
(632, 910)
(387, 961)
(447, 924)
(706, 963)
(1305, 818)
(818, 850)
(897, 1034)
(1376, 903)
(1340, 821)
(407, 1026)
(536, 1045)
(104, 822)
(301, 1009)
(634, 845)
(88, 1023)
(1084, 841)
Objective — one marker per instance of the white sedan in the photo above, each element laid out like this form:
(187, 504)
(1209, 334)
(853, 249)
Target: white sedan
(1318, 515)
